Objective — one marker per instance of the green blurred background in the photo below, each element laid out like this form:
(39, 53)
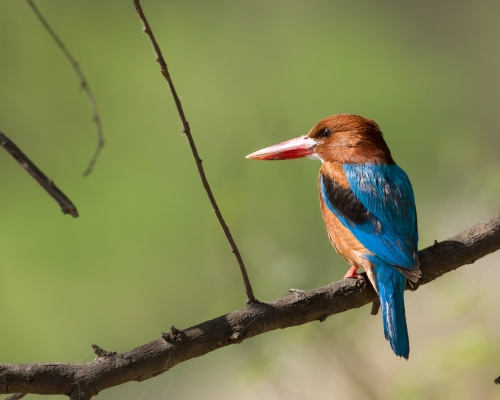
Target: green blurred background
(147, 251)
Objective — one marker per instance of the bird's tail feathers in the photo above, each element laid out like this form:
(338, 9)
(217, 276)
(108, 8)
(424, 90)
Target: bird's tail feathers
(391, 286)
(413, 275)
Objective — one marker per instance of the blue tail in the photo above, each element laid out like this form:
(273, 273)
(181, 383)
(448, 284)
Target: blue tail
(391, 286)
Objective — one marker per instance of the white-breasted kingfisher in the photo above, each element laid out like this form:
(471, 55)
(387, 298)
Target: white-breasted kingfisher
(368, 207)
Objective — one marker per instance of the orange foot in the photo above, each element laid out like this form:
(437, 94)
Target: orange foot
(353, 274)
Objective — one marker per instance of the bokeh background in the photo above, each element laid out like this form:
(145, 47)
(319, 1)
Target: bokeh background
(147, 251)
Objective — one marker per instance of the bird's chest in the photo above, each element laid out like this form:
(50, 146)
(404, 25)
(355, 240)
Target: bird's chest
(342, 239)
(344, 242)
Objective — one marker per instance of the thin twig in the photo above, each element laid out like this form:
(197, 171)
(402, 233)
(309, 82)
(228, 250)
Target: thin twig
(187, 131)
(84, 84)
(67, 207)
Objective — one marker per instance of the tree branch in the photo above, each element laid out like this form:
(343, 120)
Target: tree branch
(67, 207)
(82, 381)
(83, 82)
(187, 131)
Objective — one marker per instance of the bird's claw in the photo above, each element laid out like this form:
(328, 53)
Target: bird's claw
(352, 274)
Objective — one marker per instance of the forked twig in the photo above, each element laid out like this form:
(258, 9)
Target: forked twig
(67, 207)
(187, 131)
(84, 84)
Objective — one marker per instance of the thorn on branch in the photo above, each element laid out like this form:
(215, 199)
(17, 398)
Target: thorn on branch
(437, 245)
(102, 353)
(497, 381)
(323, 318)
(175, 336)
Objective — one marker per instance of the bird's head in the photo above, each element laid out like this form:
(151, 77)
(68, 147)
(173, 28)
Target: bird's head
(343, 139)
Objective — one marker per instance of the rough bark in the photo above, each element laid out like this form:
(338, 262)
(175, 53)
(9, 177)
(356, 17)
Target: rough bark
(82, 381)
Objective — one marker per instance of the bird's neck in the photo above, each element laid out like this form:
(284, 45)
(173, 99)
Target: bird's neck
(334, 171)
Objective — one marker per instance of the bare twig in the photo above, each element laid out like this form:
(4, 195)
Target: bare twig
(67, 207)
(84, 84)
(187, 131)
(88, 379)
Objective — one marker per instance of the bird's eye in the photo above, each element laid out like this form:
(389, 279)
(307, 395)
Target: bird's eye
(325, 133)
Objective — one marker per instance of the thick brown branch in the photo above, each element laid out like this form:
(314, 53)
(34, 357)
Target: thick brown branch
(83, 82)
(187, 131)
(67, 207)
(257, 318)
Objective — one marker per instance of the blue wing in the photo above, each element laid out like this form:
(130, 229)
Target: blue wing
(381, 212)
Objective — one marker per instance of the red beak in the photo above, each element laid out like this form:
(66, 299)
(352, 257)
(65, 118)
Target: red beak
(295, 148)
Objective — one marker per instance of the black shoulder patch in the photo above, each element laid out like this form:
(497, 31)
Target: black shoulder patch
(344, 201)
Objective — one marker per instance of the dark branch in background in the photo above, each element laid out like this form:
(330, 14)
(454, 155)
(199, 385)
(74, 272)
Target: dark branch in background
(84, 84)
(82, 381)
(187, 131)
(67, 207)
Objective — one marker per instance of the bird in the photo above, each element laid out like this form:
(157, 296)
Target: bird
(368, 207)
